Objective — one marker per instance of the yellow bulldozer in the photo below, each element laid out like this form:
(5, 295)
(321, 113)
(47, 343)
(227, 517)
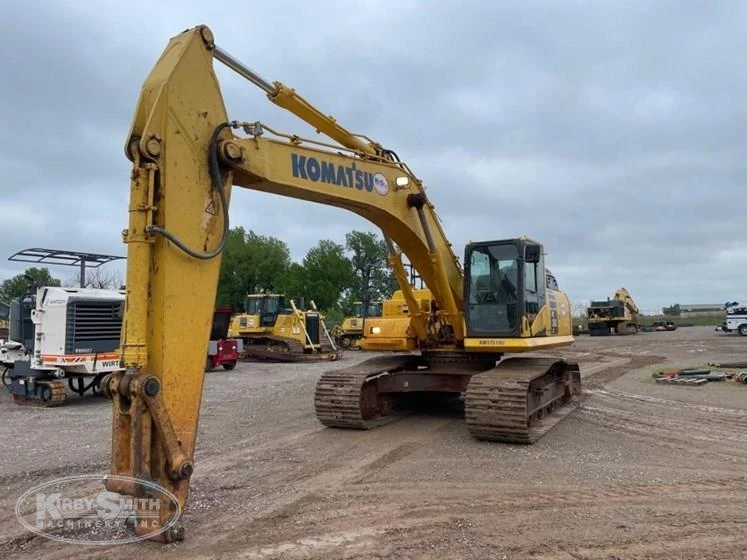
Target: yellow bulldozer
(349, 333)
(274, 331)
(386, 324)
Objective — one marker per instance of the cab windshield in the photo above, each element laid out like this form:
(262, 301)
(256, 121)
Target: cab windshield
(261, 305)
(493, 289)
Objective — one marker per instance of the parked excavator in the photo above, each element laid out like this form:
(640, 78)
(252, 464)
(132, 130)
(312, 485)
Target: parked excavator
(186, 155)
(618, 315)
(276, 332)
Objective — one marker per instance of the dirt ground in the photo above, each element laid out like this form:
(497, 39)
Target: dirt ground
(639, 471)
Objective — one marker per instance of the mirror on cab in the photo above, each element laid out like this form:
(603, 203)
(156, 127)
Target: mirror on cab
(532, 253)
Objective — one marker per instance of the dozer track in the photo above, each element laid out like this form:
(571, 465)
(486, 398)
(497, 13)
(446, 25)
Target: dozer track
(47, 394)
(521, 399)
(287, 350)
(347, 398)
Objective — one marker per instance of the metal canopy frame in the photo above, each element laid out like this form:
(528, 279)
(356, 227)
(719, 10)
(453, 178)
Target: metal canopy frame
(80, 259)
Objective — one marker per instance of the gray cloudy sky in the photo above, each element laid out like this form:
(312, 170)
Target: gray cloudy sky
(611, 131)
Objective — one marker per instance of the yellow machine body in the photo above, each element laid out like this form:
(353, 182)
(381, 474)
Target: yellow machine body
(349, 333)
(392, 331)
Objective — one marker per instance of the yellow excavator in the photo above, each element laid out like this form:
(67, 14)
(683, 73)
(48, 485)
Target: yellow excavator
(186, 156)
(618, 315)
(276, 332)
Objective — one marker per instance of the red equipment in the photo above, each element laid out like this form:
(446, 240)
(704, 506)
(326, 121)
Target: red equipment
(222, 351)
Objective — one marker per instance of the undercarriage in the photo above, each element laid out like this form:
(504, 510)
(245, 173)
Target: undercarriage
(517, 400)
(606, 328)
(278, 349)
(46, 388)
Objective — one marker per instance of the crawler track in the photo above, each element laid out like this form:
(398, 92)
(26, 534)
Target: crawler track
(518, 401)
(287, 350)
(521, 399)
(54, 397)
(347, 398)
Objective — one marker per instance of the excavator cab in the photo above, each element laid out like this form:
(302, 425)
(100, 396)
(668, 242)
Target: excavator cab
(504, 283)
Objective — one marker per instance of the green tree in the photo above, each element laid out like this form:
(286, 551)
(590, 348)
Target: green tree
(292, 283)
(20, 285)
(328, 275)
(374, 278)
(251, 263)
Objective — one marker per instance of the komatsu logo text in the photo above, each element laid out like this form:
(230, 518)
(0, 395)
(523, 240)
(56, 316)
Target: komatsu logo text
(320, 171)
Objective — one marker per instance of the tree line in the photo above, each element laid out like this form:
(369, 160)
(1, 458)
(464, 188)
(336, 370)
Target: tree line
(332, 274)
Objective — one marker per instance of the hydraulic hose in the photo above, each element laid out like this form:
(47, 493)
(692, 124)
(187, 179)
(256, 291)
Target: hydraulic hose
(217, 182)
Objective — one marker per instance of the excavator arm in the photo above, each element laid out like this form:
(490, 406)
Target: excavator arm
(185, 158)
(623, 295)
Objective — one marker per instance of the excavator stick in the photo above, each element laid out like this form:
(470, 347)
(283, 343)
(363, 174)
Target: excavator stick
(178, 220)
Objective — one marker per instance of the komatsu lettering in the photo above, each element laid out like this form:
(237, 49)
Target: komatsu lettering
(317, 171)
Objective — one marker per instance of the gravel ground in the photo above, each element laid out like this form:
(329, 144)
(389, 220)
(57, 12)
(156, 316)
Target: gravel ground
(638, 471)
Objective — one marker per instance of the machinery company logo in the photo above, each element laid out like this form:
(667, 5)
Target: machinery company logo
(79, 510)
(349, 176)
(106, 364)
(381, 185)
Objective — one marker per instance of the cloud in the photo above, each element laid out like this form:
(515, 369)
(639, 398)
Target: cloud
(611, 132)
